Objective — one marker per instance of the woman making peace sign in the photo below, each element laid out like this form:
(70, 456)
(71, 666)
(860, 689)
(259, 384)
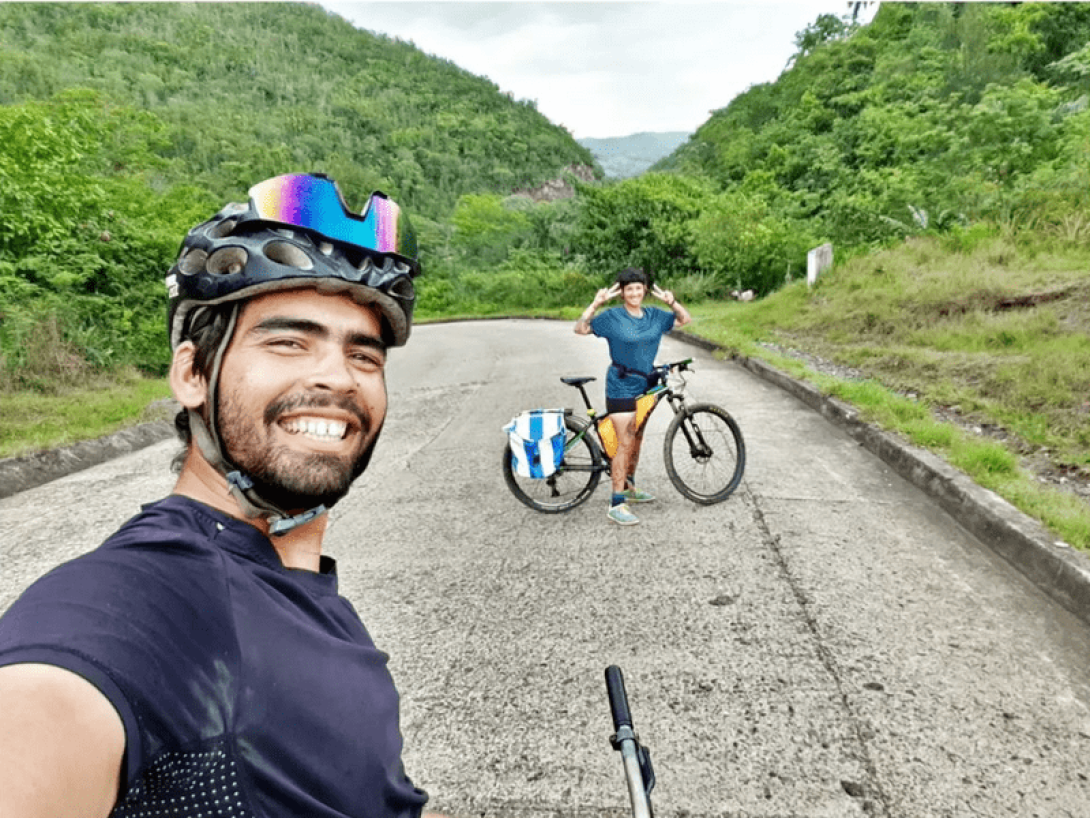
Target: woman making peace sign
(633, 332)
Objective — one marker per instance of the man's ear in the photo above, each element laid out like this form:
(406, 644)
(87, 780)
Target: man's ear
(189, 386)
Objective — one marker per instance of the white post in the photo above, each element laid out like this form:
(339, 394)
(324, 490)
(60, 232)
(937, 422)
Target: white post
(818, 261)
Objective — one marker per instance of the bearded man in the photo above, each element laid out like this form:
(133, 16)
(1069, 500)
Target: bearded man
(201, 661)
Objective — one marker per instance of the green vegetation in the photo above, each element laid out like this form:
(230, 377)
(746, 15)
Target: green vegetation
(944, 150)
(31, 421)
(122, 125)
(997, 338)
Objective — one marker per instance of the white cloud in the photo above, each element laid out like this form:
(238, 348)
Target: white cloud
(607, 68)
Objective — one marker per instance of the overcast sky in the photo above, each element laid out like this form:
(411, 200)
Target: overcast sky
(605, 69)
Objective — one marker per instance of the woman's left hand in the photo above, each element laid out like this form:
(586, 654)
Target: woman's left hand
(663, 295)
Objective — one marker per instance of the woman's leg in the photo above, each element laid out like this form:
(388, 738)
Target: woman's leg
(623, 423)
(634, 457)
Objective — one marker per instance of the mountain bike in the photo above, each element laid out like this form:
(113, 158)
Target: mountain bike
(703, 449)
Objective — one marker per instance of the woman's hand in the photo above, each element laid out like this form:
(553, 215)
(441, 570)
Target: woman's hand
(604, 295)
(582, 326)
(665, 296)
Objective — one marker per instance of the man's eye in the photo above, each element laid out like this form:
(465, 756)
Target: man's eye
(285, 343)
(368, 360)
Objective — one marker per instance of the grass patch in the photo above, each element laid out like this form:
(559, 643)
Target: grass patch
(32, 421)
(995, 334)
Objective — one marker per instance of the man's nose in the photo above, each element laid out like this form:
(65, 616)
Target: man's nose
(333, 371)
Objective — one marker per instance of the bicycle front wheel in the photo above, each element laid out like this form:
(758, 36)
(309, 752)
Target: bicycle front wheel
(571, 484)
(704, 453)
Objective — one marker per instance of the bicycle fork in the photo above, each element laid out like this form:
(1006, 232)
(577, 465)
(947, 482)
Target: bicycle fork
(698, 446)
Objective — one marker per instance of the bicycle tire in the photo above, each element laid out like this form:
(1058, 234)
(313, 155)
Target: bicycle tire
(570, 485)
(704, 453)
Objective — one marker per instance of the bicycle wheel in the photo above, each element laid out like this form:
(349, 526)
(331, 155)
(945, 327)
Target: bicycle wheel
(570, 484)
(704, 453)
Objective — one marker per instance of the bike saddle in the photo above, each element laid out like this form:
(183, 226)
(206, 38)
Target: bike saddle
(577, 381)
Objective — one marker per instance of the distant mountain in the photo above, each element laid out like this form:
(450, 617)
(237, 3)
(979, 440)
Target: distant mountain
(625, 156)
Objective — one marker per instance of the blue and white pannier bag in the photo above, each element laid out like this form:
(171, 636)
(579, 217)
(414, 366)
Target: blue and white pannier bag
(537, 442)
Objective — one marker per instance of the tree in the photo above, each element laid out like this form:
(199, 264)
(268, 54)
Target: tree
(484, 229)
(745, 245)
(641, 222)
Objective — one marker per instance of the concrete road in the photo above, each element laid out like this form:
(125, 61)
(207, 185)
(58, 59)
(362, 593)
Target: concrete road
(827, 642)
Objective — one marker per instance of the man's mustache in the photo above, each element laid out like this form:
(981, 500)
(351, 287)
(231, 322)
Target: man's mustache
(294, 403)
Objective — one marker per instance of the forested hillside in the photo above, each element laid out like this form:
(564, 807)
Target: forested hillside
(241, 91)
(936, 116)
(123, 124)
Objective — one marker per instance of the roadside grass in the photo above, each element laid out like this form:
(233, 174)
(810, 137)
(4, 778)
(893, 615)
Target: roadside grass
(31, 421)
(999, 336)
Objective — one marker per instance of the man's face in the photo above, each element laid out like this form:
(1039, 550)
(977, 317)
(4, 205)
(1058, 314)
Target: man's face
(302, 395)
(633, 293)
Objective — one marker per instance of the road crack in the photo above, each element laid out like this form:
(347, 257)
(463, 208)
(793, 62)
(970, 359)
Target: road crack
(876, 799)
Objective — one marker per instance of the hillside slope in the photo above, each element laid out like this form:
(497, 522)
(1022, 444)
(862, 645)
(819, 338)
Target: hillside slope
(934, 115)
(249, 90)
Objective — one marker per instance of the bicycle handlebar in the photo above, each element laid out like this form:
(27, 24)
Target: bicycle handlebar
(635, 758)
(618, 699)
(682, 366)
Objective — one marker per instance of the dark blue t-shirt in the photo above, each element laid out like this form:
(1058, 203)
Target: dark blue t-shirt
(245, 688)
(633, 343)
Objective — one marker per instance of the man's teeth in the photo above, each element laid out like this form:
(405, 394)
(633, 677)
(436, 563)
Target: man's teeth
(317, 427)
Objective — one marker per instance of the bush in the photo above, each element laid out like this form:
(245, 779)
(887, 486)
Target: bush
(527, 282)
(43, 359)
(739, 241)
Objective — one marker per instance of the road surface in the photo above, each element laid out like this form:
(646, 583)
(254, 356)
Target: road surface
(827, 642)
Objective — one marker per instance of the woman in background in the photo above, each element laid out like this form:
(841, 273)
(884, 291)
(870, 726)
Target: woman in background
(633, 332)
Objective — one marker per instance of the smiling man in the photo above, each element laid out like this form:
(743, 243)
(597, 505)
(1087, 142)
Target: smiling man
(201, 661)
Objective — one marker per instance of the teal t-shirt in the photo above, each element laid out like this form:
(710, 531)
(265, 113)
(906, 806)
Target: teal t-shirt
(633, 343)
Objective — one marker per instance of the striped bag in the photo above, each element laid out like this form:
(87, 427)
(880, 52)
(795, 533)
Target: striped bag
(537, 442)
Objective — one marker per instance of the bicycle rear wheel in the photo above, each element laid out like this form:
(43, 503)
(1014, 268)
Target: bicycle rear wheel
(704, 453)
(569, 485)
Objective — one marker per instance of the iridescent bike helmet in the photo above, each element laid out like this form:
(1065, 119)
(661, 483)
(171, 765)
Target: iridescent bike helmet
(295, 231)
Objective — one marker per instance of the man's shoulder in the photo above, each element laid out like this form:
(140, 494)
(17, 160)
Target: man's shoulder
(166, 547)
(174, 521)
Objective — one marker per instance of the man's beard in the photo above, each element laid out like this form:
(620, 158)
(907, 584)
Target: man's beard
(289, 479)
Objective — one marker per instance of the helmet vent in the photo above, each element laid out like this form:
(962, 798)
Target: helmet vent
(227, 261)
(289, 255)
(403, 288)
(222, 230)
(192, 262)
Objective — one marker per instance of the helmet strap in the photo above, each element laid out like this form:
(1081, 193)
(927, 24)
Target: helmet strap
(211, 447)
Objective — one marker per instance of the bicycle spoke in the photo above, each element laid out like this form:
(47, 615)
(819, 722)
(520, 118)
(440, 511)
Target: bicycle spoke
(704, 453)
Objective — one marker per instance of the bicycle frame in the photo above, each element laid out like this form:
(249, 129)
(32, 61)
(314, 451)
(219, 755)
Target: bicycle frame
(663, 391)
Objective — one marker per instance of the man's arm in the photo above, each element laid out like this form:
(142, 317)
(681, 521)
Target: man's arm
(61, 745)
